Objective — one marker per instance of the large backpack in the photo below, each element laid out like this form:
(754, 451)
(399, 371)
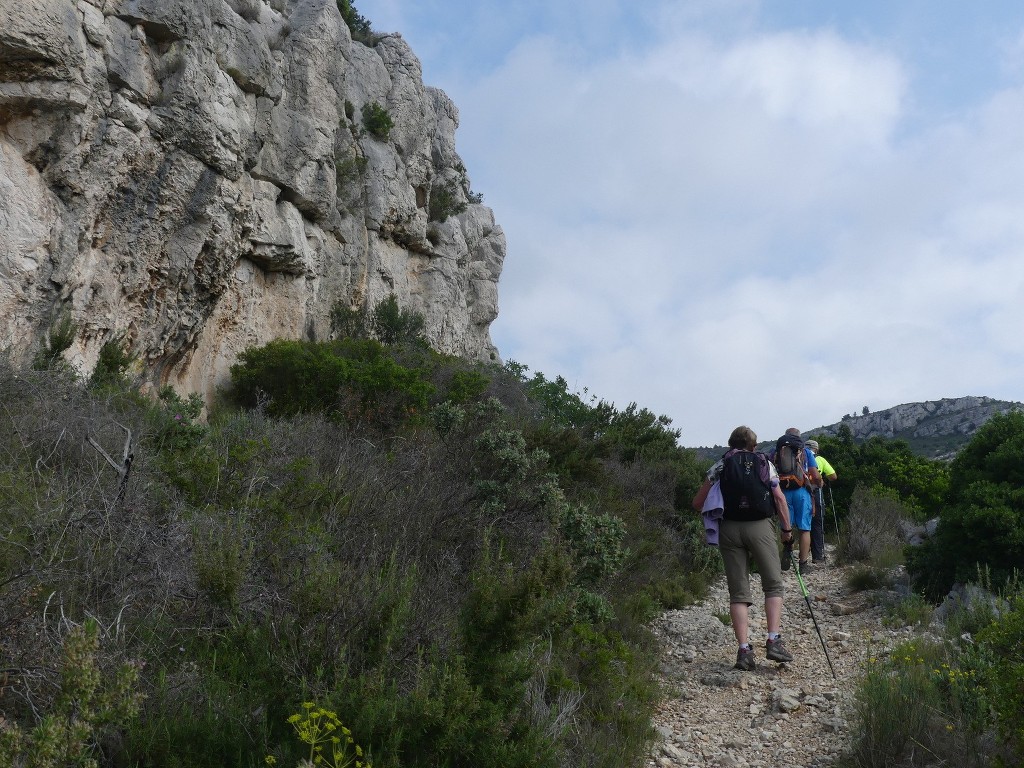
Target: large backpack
(791, 461)
(746, 493)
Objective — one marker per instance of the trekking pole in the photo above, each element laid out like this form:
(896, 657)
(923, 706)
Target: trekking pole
(807, 599)
(835, 516)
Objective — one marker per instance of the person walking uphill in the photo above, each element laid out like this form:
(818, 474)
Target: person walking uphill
(826, 472)
(798, 473)
(751, 498)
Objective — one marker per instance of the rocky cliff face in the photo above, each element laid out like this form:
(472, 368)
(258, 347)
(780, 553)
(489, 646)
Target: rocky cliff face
(953, 419)
(196, 176)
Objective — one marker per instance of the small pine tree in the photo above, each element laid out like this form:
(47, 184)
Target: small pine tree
(377, 121)
(393, 325)
(58, 339)
(112, 365)
(358, 24)
(347, 322)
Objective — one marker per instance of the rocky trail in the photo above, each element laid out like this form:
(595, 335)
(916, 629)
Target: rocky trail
(795, 714)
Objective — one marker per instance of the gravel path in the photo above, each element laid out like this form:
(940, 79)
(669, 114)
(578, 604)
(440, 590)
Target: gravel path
(794, 715)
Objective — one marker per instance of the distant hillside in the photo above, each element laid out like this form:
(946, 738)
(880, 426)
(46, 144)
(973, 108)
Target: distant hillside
(936, 428)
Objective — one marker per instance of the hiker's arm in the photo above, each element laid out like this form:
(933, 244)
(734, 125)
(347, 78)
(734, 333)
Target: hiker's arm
(702, 495)
(815, 476)
(826, 470)
(783, 509)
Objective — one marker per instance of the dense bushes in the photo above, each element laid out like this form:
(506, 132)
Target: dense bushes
(982, 520)
(960, 700)
(874, 527)
(954, 699)
(371, 530)
(883, 465)
(355, 379)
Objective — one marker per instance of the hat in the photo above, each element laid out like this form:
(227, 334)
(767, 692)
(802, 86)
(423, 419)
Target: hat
(813, 445)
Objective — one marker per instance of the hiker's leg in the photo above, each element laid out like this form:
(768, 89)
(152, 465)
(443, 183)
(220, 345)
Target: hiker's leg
(765, 551)
(740, 615)
(818, 528)
(800, 516)
(773, 613)
(737, 574)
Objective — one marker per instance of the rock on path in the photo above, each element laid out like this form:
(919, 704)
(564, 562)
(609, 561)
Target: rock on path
(794, 715)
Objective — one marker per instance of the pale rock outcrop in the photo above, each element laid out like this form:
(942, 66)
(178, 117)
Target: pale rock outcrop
(933, 418)
(194, 176)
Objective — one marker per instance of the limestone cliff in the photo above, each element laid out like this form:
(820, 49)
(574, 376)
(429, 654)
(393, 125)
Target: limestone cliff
(934, 427)
(196, 176)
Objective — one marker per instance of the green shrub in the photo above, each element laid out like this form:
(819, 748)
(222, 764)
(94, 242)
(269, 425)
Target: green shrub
(884, 465)
(90, 706)
(358, 25)
(58, 339)
(981, 524)
(175, 421)
(867, 577)
(216, 698)
(466, 386)
(377, 121)
(347, 322)
(596, 540)
(1005, 675)
(221, 557)
(917, 706)
(445, 201)
(874, 528)
(348, 170)
(391, 324)
(353, 380)
(910, 611)
(112, 365)
(948, 700)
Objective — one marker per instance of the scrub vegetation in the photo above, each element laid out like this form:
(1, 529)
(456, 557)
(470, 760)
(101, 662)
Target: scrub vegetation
(956, 694)
(454, 561)
(375, 554)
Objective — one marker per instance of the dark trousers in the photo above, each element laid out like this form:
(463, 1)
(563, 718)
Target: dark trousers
(818, 525)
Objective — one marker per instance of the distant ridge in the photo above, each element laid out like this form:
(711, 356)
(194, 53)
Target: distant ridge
(934, 429)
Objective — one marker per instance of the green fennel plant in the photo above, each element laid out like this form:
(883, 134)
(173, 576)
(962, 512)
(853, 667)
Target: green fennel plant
(331, 743)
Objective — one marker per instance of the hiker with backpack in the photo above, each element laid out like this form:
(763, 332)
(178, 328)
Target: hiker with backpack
(826, 472)
(751, 499)
(798, 473)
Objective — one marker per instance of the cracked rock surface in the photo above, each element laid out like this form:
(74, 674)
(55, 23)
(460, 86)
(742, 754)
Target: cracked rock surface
(195, 177)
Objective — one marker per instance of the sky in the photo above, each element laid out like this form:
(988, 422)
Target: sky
(742, 212)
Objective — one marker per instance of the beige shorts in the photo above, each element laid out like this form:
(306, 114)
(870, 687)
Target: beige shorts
(739, 542)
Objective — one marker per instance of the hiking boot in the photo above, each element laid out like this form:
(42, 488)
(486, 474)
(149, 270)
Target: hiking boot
(805, 567)
(776, 651)
(745, 660)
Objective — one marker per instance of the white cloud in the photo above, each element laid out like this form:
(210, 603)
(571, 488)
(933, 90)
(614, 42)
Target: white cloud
(737, 224)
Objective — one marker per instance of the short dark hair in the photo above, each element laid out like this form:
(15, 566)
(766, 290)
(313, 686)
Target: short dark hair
(743, 438)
